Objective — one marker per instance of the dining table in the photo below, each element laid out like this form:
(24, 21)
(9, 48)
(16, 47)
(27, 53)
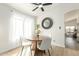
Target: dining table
(35, 41)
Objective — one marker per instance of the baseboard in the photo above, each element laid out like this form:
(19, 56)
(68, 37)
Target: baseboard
(55, 44)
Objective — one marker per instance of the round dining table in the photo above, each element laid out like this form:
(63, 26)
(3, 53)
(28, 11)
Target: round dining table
(35, 41)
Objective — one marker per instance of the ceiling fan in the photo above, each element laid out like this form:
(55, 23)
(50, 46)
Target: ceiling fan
(40, 5)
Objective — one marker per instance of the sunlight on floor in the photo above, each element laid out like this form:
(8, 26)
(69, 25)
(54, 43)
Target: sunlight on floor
(26, 52)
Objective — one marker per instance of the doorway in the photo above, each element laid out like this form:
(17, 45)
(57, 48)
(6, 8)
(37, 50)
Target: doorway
(71, 29)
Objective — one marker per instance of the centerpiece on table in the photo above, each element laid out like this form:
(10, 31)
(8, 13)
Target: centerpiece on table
(37, 30)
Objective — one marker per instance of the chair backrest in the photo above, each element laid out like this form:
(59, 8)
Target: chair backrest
(45, 44)
(24, 41)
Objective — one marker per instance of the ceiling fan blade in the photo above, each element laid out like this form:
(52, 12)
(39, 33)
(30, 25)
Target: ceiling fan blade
(45, 4)
(42, 8)
(35, 9)
(35, 3)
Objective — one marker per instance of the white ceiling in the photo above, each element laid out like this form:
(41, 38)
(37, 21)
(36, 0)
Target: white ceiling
(23, 7)
(70, 11)
(28, 7)
(70, 6)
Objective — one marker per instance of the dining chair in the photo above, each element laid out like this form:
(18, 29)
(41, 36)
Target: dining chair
(24, 43)
(28, 42)
(45, 45)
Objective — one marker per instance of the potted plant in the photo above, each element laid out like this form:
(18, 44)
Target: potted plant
(37, 30)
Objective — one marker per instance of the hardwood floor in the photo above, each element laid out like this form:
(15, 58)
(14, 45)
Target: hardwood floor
(55, 51)
(59, 51)
(72, 43)
(13, 52)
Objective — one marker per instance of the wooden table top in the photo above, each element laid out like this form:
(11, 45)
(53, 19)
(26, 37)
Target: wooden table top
(35, 38)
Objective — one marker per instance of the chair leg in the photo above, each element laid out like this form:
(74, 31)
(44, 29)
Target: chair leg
(49, 53)
(31, 50)
(22, 50)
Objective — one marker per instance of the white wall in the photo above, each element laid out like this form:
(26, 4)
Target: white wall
(71, 23)
(4, 28)
(57, 15)
(5, 16)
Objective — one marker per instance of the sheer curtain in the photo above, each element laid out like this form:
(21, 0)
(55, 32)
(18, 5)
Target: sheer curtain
(16, 27)
(21, 26)
(28, 27)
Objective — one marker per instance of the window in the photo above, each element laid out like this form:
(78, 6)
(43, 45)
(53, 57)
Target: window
(28, 27)
(16, 27)
(21, 27)
(70, 28)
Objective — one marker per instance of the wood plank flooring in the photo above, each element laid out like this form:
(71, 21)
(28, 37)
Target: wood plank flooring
(72, 43)
(55, 51)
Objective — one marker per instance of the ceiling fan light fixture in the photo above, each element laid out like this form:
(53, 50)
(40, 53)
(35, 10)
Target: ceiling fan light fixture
(40, 6)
